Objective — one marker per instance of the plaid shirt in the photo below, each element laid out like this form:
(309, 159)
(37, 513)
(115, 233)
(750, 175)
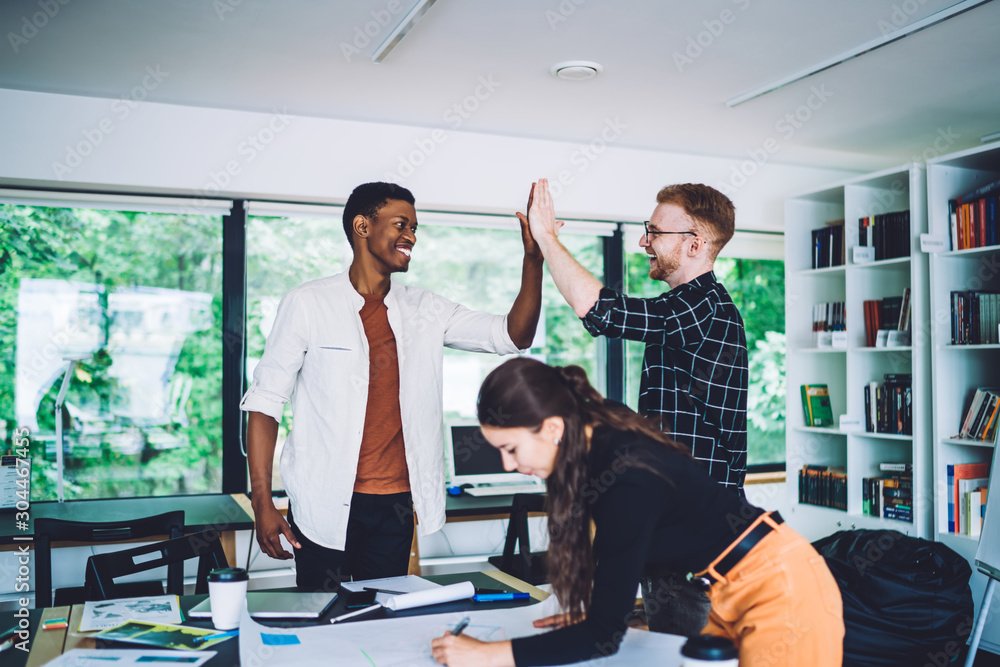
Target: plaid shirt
(694, 371)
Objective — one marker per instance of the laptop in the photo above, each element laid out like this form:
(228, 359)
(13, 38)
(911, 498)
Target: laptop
(268, 604)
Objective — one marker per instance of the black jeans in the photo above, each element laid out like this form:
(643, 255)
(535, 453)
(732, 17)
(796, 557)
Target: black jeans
(379, 536)
(673, 604)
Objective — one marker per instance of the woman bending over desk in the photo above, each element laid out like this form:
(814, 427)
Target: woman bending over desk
(624, 500)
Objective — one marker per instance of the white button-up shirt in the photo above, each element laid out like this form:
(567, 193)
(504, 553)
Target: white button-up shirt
(317, 357)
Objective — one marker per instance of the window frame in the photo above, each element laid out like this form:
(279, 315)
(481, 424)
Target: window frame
(614, 237)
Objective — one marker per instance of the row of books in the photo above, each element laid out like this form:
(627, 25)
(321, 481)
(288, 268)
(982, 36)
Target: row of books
(980, 421)
(965, 479)
(975, 317)
(888, 234)
(890, 495)
(816, 405)
(828, 317)
(892, 312)
(828, 245)
(973, 218)
(825, 486)
(889, 405)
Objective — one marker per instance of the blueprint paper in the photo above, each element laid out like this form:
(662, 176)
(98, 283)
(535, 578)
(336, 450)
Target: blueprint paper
(407, 641)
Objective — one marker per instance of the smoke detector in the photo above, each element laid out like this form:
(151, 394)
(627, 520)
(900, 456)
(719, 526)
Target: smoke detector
(576, 70)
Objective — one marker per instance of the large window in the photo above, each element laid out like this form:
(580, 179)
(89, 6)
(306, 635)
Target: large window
(757, 287)
(481, 269)
(472, 260)
(127, 303)
(282, 253)
(124, 297)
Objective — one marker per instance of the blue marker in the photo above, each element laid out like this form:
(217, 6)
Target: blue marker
(498, 597)
(208, 638)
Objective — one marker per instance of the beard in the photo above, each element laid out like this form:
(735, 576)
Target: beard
(663, 266)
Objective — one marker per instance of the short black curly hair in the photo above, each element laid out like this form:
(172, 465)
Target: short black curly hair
(367, 199)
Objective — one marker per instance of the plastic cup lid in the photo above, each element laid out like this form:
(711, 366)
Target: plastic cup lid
(228, 574)
(707, 647)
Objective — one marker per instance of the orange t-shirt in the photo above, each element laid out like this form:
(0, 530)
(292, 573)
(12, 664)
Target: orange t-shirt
(382, 463)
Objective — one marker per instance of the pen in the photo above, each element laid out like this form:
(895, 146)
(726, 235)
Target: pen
(208, 638)
(7, 639)
(497, 597)
(359, 612)
(461, 626)
(382, 590)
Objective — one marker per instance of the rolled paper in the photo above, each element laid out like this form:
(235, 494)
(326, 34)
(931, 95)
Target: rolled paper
(460, 591)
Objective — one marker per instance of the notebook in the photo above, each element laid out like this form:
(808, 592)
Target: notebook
(266, 604)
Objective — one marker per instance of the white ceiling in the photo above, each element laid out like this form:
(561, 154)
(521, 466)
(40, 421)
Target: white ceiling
(884, 107)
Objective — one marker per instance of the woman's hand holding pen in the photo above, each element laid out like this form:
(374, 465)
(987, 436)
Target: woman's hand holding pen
(458, 650)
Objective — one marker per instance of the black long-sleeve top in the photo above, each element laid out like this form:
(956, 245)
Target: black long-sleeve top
(675, 518)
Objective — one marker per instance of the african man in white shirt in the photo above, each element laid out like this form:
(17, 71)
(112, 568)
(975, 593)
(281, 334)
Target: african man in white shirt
(360, 357)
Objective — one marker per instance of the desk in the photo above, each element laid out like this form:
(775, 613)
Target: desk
(472, 508)
(214, 511)
(48, 644)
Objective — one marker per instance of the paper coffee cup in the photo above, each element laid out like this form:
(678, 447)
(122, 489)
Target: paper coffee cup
(227, 594)
(709, 651)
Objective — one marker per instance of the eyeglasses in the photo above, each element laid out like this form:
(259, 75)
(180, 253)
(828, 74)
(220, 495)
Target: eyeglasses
(650, 232)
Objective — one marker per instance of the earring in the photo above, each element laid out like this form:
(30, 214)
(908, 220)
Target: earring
(556, 441)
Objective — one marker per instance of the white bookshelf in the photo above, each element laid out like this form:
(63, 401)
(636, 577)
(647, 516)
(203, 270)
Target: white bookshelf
(847, 371)
(959, 369)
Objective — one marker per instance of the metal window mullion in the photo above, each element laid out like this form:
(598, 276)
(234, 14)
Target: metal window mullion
(234, 478)
(614, 277)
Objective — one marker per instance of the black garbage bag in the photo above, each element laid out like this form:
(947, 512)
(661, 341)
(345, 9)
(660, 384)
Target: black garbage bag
(907, 601)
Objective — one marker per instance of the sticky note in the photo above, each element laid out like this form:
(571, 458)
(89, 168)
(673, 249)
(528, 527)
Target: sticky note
(279, 640)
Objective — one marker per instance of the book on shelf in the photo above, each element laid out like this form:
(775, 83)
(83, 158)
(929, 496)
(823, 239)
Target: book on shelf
(976, 510)
(825, 486)
(965, 488)
(816, 405)
(827, 319)
(889, 496)
(889, 405)
(904, 311)
(888, 234)
(891, 313)
(975, 316)
(955, 473)
(973, 218)
(828, 245)
(981, 419)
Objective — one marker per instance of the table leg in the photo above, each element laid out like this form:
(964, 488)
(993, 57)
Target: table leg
(414, 567)
(228, 539)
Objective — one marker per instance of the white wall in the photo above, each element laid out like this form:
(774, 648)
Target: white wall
(70, 141)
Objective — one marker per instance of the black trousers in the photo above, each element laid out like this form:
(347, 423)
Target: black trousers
(379, 536)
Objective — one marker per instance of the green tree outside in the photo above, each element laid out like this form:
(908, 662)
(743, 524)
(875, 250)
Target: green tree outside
(115, 250)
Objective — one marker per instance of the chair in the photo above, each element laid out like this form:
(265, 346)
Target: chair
(103, 569)
(526, 566)
(47, 531)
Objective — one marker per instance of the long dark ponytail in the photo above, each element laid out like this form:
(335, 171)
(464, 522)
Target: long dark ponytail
(524, 392)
